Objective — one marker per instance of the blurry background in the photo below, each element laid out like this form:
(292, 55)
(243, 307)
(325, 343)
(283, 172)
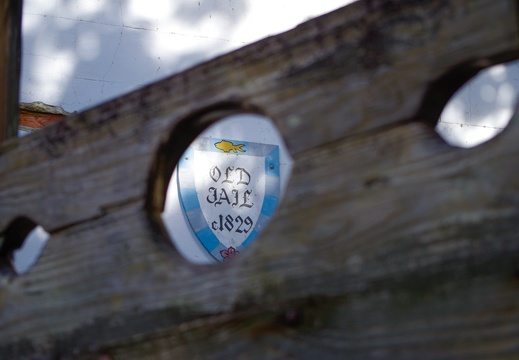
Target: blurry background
(79, 53)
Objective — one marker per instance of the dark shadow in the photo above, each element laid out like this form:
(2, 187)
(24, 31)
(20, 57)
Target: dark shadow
(12, 238)
(181, 137)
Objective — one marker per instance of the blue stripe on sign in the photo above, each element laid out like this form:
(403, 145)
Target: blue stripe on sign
(208, 239)
(272, 163)
(269, 205)
(197, 219)
(253, 235)
(272, 185)
(261, 222)
(189, 199)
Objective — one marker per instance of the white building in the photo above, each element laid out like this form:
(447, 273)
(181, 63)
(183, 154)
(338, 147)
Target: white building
(80, 53)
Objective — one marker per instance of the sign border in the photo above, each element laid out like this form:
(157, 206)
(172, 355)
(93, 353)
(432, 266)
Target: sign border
(191, 206)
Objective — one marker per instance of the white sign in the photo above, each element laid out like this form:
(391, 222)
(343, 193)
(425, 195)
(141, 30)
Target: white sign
(229, 189)
(226, 188)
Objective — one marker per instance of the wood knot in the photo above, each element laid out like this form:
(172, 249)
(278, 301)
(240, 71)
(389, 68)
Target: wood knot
(376, 181)
(292, 317)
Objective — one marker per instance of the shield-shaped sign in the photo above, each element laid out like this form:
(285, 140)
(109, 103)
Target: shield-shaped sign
(229, 189)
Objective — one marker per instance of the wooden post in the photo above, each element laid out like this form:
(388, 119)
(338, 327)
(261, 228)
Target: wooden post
(389, 243)
(10, 40)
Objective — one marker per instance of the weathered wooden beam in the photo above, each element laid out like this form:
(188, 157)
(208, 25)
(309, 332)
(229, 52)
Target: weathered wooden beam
(10, 47)
(389, 243)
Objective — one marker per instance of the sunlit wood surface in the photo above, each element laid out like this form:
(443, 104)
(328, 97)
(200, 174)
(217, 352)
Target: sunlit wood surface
(389, 244)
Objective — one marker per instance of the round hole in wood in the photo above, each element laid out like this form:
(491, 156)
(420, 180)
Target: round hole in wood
(482, 107)
(225, 188)
(22, 243)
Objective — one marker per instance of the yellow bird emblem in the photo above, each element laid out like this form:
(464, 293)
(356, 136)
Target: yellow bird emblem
(227, 146)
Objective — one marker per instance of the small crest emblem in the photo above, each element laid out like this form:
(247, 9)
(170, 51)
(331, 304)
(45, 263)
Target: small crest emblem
(228, 189)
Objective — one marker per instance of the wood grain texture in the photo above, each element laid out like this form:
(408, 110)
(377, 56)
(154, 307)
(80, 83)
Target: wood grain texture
(389, 244)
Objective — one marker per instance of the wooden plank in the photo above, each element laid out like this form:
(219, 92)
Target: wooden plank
(389, 243)
(10, 40)
(355, 98)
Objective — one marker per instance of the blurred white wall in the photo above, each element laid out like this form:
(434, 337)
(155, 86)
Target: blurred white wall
(78, 53)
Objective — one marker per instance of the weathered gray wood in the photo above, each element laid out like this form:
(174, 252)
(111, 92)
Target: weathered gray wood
(10, 39)
(389, 243)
